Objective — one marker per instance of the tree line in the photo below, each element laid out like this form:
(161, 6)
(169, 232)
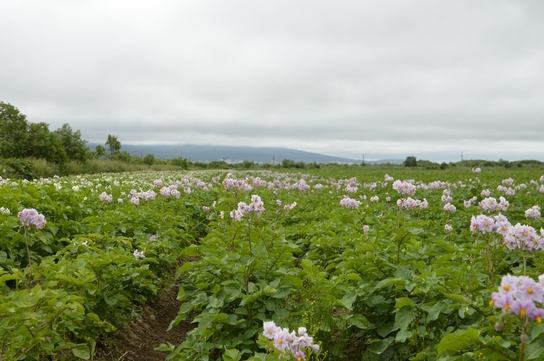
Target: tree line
(22, 139)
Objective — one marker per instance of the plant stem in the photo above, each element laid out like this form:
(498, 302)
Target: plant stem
(29, 260)
(249, 238)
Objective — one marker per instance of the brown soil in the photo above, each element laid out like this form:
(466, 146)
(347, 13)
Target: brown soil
(138, 341)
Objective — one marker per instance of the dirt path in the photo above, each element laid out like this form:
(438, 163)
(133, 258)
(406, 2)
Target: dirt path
(137, 342)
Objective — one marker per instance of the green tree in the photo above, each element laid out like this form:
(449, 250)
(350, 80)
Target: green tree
(114, 145)
(124, 156)
(248, 164)
(181, 162)
(45, 144)
(13, 132)
(99, 151)
(149, 159)
(75, 147)
(410, 161)
(287, 163)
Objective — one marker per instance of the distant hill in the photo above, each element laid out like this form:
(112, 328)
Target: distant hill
(235, 154)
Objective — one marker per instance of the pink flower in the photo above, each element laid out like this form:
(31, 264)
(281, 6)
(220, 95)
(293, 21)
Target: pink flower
(31, 218)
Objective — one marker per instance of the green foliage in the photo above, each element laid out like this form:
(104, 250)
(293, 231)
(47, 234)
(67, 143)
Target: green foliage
(76, 148)
(21, 139)
(113, 144)
(410, 161)
(123, 156)
(14, 130)
(180, 162)
(99, 152)
(45, 145)
(16, 168)
(149, 159)
(401, 288)
(84, 280)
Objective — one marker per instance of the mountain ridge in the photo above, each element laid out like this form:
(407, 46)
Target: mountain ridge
(235, 154)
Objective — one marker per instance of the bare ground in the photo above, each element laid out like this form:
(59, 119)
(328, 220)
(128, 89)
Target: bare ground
(138, 341)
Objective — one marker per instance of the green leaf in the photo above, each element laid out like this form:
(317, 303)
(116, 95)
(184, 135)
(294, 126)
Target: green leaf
(25, 299)
(346, 303)
(459, 340)
(389, 281)
(110, 298)
(258, 357)
(403, 318)
(384, 329)
(535, 349)
(359, 321)
(296, 281)
(191, 251)
(403, 301)
(8, 277)
(537, 330)
(82, 351)
(415, 231)
(435, 311)
(3, 257)
(232, 354)
(380, 346)
(456, 298)
(53, 229)
(186, 266)
(402, 335)
(353, 277)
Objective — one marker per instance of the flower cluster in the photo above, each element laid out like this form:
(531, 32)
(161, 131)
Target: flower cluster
(301, 185)
(523, 237)
(5, 211)
(491, 204)
(520, 295)
(485, 193)
(405, 188)
(290, 342)
(139, 254)
(448, 207)
(533, 212)
(507, 181)
(351, 189)
(476, 170)
(106, 197)
(236, 184)
(469, 202)
(507, 190)
(256, 206)
(31, 218)
(288, 207)
(514, 237)
(171, 191)
(410, 203)
(350, 203)
(482, 223)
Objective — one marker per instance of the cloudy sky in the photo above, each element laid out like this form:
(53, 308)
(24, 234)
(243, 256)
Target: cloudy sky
(431, 79)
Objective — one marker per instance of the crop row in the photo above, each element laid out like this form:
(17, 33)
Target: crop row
(367, 266)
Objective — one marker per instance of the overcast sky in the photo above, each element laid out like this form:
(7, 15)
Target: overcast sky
(431, 79)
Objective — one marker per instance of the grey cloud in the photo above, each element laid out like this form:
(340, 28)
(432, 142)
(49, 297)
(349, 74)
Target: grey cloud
(313, 74)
